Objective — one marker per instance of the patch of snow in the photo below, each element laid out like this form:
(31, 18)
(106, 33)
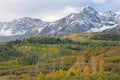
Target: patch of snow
(101, 13)
(71, 16)
(52, 23)
(51, 32)
(20, 33)
(8, 32)
(111, 22)
(40, 29)
(4, 32)
(117, 12)
(100, 29)
(59, 28)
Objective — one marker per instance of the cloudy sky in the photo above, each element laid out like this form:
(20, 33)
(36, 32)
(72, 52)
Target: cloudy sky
(50, 10)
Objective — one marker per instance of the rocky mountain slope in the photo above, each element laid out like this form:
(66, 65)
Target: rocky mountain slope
(87, 20)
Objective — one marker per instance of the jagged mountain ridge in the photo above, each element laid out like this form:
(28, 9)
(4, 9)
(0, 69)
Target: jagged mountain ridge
(18, 26)
(87, 20)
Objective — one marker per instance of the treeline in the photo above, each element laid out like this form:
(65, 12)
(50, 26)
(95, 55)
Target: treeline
(43, 40)
(106, 36)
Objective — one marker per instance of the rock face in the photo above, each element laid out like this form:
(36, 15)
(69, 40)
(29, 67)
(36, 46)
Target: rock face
(87, 20)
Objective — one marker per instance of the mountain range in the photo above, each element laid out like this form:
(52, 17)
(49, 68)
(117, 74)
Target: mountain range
(87, 20)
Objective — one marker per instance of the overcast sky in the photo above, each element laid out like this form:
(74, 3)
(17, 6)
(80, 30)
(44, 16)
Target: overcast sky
(50, 10)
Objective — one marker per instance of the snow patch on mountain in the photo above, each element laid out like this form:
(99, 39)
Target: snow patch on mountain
(100, 29)
(5, 32)
(40, 29)
(19, 26)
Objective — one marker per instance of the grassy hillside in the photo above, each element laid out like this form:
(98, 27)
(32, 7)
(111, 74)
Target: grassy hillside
(84, 56)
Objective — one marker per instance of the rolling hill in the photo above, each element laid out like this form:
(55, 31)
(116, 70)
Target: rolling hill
(85, 56)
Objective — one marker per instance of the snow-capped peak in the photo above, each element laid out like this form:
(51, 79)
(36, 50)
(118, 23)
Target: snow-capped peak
(109, 16)
(87, 20)
(18, 26)
(88, 10)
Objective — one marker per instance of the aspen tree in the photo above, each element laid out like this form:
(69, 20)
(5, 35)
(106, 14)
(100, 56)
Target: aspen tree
(101, 66)
(86, 70)
(93, 64)
(82, 64)
(62, 63)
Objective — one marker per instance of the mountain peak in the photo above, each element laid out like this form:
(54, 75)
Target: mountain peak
(109, 16)
(87, 20)
(27, 19)
(88, 8)
(109, 13)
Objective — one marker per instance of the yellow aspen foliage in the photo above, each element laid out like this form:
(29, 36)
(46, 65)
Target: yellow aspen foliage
(76, 66)
(86, 70)
(13, 62)
(77, 73)
(101, 66)
(55, 74)
(53, 50)
(60, 73)
(71, 72)
(47, 75)
(99, 78)
(40, 76)
(52, 74)
(86, 78)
